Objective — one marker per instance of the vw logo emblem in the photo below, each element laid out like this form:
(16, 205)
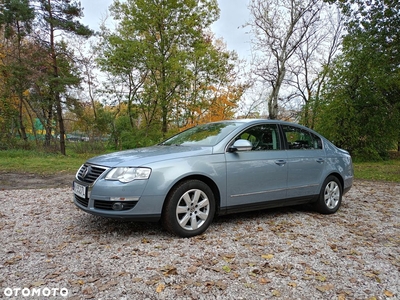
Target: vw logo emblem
(85, 172)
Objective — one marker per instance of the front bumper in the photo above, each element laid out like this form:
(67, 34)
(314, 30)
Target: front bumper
(112, 199)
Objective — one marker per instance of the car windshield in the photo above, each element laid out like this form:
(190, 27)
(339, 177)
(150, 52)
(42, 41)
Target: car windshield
(202, 135)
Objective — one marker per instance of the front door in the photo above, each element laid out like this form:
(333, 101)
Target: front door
(259, 175)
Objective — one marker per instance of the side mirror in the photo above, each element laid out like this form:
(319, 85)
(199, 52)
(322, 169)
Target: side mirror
(241, 145)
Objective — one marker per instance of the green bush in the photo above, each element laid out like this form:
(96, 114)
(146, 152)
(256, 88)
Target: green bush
(87, 147)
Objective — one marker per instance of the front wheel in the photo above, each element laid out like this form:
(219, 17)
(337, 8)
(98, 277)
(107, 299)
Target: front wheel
(330, 197)
(189, 209)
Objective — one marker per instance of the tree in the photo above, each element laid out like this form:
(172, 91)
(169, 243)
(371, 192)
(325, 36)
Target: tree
(158, 50)
(85, 58)
(59, 15)
(313, 60)
(280, 28)
(364, 85)
(17, 18)
(211, 89)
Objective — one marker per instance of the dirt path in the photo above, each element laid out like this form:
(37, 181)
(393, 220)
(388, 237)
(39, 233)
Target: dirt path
(18, 181)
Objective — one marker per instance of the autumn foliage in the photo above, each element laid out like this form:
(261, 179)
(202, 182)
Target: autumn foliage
(156, 79)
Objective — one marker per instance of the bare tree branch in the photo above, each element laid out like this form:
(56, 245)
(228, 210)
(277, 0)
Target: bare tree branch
(280, 27)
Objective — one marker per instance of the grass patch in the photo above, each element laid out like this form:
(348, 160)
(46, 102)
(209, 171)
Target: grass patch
(43, 163)
(384, 170)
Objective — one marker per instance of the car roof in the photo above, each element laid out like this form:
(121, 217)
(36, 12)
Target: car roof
(274, 121)
(271, 121)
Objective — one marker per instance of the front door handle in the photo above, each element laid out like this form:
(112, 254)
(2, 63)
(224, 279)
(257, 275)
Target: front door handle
(320, 160)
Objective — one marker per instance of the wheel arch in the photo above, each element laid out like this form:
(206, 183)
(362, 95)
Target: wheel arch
(213, 186)
(339, 177)
(329, 194)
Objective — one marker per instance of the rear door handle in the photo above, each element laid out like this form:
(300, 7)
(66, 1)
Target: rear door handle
(320, 160)
(280, 162)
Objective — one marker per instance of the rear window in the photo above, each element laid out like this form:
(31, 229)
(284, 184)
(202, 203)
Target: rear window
(298, 138)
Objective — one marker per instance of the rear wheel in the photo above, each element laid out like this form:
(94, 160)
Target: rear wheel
(330, 197)
(189, 209)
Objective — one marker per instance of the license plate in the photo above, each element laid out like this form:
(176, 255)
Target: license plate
(80, 190)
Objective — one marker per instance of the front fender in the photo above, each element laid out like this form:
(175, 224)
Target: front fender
(166, 174)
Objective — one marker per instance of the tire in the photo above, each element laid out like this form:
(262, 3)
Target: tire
(189, 209)
(330, 197)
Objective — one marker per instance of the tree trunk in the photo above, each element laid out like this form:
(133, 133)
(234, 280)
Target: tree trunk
(164, 121)
(20, 89)
(57, 97)
(60, 124)
(21, 119)
(273, 99)
(48, 126)
(273, 106)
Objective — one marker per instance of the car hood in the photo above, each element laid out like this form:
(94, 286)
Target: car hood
(144, 156)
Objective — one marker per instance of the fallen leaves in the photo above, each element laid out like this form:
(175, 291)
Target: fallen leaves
(107, 286)
(160, 287)
(53, 275)
(169, 270)
(192, 269)
(38, 283)
(13, 260)
(227, 269)
(276, 293)
(321, 278)
(264, 280)
(280, 254)
(221, 285)
(325, 288)
(267, 256)
(388, 293)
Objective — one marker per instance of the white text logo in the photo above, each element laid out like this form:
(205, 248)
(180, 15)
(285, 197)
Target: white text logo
(44, 292)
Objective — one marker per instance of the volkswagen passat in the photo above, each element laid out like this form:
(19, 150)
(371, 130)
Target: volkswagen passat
(216, 169)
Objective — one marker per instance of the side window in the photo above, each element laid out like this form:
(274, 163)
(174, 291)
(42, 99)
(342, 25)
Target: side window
(298, 138)
(263, 137)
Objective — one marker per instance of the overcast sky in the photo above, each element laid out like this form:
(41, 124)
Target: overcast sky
(234, 14)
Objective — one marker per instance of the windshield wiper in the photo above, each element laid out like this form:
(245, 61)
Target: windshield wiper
(162, 144)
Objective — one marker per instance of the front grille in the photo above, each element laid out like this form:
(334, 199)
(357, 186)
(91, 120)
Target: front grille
(82, 201)
(89, 173)
(109, 205)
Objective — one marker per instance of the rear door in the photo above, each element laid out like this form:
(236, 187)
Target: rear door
(306, 161)
(259, 175)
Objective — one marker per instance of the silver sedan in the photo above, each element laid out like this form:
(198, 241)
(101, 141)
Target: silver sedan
(215, 169)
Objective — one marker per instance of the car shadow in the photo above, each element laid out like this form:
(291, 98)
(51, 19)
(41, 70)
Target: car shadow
(95, 225)
(268, 213)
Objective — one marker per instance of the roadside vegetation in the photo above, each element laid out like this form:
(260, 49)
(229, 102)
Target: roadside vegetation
(44, 162)
(331, 65)
(386, 170)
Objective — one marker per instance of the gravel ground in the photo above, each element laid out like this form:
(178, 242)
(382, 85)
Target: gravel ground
(52, 250)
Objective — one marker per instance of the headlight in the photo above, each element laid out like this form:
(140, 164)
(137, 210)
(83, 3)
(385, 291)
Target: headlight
(128, 174)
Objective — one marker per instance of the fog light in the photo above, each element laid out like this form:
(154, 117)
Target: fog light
(124, 198)
(117, 206)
